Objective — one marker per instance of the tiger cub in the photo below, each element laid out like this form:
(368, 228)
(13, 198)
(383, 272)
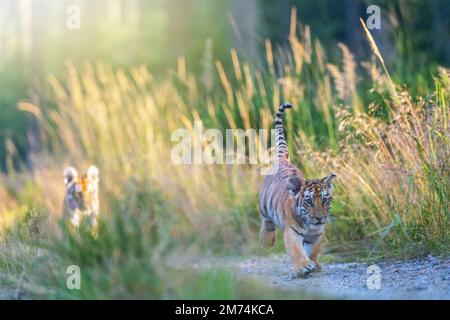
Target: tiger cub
(81, 197)
(297, 206)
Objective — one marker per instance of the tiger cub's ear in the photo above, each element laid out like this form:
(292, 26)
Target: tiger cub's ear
(93, 174)
(328, 181)
(294, 185)
(70, 174)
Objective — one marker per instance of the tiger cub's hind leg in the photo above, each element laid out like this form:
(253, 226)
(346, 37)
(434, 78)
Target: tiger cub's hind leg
(267, 233)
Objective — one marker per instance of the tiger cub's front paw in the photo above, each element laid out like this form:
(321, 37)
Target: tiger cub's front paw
(318, 267)
(305, 270)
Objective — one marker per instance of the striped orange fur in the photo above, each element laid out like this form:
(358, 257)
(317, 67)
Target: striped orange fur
(297, 206)
(81, 198)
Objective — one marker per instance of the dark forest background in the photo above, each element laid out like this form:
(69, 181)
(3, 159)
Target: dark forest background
(35, 42)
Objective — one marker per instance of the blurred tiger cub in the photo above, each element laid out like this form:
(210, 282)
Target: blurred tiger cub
(297, 206)
(81, 197)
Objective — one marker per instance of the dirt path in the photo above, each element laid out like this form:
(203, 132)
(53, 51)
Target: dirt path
(426, 278)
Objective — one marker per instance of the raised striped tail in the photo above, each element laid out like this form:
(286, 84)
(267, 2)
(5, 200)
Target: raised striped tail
(281, 146)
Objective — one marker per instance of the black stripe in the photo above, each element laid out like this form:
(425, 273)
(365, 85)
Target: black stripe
(270, 226)
(281, 145)
(297, 232)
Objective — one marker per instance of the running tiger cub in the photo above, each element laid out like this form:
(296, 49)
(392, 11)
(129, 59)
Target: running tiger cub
(297, 206)
(81, 197)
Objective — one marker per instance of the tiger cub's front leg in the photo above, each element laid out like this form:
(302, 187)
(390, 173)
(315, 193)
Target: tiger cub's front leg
(315, 251)
(293, 241)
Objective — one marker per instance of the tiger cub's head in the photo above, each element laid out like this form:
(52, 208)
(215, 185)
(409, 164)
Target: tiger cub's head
(81, 192)
(311, 198)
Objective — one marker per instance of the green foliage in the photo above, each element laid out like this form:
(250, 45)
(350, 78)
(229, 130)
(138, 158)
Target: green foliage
(13, 124)
(24, 223)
